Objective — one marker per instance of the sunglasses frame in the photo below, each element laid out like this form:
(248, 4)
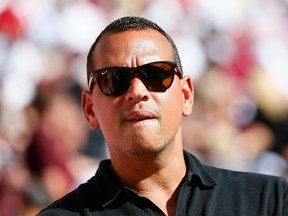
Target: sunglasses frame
(175, 70)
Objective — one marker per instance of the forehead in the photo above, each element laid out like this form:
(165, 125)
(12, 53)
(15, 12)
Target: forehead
(131, 48)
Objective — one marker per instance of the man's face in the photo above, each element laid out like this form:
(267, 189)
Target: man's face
(140, 121)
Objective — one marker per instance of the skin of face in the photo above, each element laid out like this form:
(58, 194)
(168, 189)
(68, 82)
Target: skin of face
(140, 122)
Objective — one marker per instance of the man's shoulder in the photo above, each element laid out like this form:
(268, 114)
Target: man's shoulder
(89, 196)
(238, 174)
(69, 204)
(231, 179)
(248, 180)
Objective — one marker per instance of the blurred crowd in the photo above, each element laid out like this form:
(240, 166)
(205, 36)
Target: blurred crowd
(235, 50)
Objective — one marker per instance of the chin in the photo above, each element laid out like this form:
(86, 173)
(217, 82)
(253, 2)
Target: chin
(148, 150)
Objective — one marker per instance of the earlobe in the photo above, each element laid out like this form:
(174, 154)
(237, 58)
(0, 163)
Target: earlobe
(87, 107)
(188, 95)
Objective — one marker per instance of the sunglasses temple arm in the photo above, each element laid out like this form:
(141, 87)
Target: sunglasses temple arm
(90, 82)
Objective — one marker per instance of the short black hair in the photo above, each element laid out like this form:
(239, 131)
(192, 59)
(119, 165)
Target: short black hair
(131, 23)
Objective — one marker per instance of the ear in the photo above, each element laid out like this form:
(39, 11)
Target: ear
(188, 95)
(87, 107)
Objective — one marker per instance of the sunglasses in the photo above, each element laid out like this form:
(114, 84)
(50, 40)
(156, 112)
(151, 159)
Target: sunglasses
(115, 81)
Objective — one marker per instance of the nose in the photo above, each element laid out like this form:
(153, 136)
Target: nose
(137, 91)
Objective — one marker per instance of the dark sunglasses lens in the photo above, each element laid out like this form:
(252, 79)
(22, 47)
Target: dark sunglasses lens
(157, 77)
(114, 82)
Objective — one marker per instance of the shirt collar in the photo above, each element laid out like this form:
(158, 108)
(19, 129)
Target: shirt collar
(108, 183)
(112, 186)
(195, 168)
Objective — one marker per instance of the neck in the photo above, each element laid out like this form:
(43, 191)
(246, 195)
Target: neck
(154, 179)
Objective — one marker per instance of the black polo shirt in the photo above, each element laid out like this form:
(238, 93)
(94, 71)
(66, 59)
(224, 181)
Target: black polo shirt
(206, 191)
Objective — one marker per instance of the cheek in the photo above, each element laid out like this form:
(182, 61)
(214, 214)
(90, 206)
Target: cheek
(175, 98)
(172, 108)
(106, 119)
(108, 125)
(102, 111)
(106, 114)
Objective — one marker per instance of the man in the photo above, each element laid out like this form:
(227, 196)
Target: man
(137, 96)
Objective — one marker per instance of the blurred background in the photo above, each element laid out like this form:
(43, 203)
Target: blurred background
(235, 50)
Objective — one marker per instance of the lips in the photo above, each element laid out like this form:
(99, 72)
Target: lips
(139, 116)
